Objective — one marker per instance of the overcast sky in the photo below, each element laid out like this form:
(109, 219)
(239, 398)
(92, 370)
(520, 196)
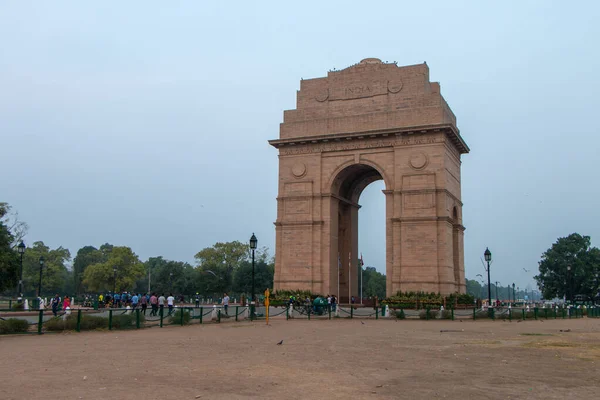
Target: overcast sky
(145, 124)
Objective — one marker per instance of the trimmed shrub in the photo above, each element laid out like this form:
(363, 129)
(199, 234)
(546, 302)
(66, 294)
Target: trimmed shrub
(88, 322)
(18, 306)
(432, 314)
(124, 321)
(446, 314)
(400, 314)
(176, 317)
(13, 325)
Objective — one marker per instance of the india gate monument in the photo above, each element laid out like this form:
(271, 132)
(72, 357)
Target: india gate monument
(370, 121)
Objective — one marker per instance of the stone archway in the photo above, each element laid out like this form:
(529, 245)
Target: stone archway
(367, 122)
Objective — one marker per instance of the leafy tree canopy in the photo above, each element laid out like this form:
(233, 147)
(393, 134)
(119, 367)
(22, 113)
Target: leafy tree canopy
(55, 273)
(100, 277)
(555, 279)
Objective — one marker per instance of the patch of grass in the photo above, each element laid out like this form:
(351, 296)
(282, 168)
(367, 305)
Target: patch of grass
(536, 334)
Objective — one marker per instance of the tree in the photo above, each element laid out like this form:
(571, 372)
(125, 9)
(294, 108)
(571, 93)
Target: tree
(56, 277)
(374, 283)
(263, 277)
(555, 279)
(100, 277)
(10, 219)
(9, 259)
(86, 256)
(184, 279)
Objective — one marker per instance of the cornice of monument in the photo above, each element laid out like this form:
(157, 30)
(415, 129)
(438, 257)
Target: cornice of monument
(450, 130)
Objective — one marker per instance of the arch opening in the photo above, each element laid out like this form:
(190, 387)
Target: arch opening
(347, 188)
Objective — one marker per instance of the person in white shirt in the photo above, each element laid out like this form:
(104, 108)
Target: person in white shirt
(170, 302)
(225, 303)
(161, 304)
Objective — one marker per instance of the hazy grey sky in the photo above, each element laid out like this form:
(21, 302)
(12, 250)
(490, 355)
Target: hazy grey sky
(145, 123)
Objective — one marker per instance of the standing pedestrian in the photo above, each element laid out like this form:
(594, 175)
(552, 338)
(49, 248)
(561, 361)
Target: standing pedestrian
(66, 303)
(197, 298)
(117, 300)
(226, 303)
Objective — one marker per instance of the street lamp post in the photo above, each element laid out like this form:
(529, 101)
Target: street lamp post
(21, 250)
(40, 283)
(114, 281)
(497, 291)
(569, 285)
(253, 243)
(488, 257)
(514, 294)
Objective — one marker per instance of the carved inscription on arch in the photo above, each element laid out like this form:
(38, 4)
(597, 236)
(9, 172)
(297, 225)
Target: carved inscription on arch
(362, 144)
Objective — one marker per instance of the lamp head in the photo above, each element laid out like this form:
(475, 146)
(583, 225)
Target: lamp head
(487, 254)
(21, 247)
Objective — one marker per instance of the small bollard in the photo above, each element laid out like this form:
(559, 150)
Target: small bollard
(78, 329)
(40, 321)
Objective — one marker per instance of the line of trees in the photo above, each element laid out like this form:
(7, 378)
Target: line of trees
(223, 267)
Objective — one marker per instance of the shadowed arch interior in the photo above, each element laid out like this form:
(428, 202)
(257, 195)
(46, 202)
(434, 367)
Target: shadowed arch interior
(347, 188)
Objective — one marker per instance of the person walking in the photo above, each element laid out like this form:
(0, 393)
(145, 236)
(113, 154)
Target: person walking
(66, 303)
(197, 298)
(170, 303)
(154, 304)
(225, 303)
(55, 302)
(144, 302)
(161, 304)
(117, 300)
(134, 301)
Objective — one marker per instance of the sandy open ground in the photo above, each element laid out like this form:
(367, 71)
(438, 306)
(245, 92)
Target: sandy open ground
(337, 359)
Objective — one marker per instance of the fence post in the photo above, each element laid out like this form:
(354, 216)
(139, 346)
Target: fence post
(219, 315)
(110, 320)
(181, 319)
(427, 313)
(546, 313)
(96, 305)
(351, 312)
(201, 314)
(523, 313)
(236, 312)
(287, 312)
(376, 313)
(535, 313)
(40, 321)
(474, 312)
(452, 311)
(161, 312)
(78, 329)
(10, 304)
(137, 318)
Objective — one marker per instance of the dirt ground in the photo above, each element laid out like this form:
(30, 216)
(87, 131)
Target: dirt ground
(337, 359)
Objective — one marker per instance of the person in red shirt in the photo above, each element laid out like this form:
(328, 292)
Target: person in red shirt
(66, 302)
(154, 304)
